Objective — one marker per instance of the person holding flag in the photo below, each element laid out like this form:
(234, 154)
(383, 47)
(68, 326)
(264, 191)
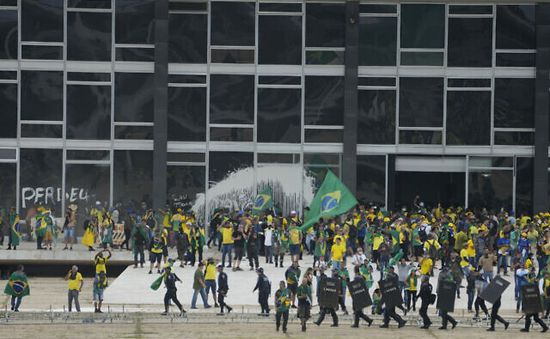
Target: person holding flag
(15, 236)
(17, 287)
(282, 305)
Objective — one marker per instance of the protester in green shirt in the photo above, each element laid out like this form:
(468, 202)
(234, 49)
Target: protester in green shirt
(282, 305)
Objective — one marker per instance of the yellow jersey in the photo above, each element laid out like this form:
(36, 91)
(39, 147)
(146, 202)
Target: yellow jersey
(74, 284)
(210, 272)
(227, 235)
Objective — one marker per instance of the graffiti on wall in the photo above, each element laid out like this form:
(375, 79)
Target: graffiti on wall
(51, 195)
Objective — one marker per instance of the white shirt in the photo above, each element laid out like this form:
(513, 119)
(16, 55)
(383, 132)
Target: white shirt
(268, 233)
(358, 259)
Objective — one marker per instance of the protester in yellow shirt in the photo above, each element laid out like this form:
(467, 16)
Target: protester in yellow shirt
(227, 242)
(210, 279)
(337, 252)
(426, 265)
(75, 286)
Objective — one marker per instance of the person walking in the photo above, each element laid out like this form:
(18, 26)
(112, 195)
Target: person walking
(223, 288)
(17, 287)
(171, 290)
(426, 298)
(268, 244)
(264, 290)
(358, 312)
(198, 287)
(75, 287)
(99, 286)
(210, 280)
(495, 316)
(282, 305)
(292, 276)
(139, 237)
(304, 302)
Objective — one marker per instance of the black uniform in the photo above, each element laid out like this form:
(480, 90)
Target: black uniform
(170, 283)
(264, 289)
(358, 312)
(495, 316)
(223, 287)
(425, 295)
(535, 317)
(325, 310)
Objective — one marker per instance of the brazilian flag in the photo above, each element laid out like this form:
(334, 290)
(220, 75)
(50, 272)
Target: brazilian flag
(156, 284)
(17, 285)
(332, 199)
(263, 201)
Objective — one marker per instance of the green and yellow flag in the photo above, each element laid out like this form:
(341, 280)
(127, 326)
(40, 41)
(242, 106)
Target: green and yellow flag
(156, 284)
(17, 285)
(263, 201)
(332, 199)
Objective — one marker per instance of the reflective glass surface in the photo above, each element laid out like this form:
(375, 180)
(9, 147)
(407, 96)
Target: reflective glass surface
(8, 198)
(279, 115)
(371, 178)
(468, 118)
(135, 54)
(231, 56)
(233, 23)
(8, 102)
(325, 25)
(491, 189)
(280, 40)
(88, 112)
(514, 102)
(134, 21)
(41, 95)
(42, 52)
(186, 113)
(515, 138)
(42, 20)
(134, 132)
(421, 102)
(41, 131)
(41, 178)
(324, 135)
(324, 100)
(231, 134)
(86, 184)
(422, 58)
(376, 123)
(524, 185)
(8, 34)
(134, 97)
(184, 183)
(187, 38)
(325, 57)
(89, 36)
(232, 99)
(420, 137)
(221, 164)
(377, 41)
(470, 42)
(515, 59)
(422, 26)
(516, 27)
(133, 176)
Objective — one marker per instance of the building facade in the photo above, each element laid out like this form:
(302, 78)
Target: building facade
(206, 102)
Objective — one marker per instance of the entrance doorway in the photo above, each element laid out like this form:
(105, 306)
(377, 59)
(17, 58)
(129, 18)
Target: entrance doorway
(447, 188)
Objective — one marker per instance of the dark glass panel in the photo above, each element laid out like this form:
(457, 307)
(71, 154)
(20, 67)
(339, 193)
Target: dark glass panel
(324, 100)
(88, 155)
(371, 179)
(433, 187)
(325, 57)
(420, 137)
(186, 113)
(8, 34)
(231, 99)
(42, 52)
(516, 27)
(524, 185)
(421, 102)
(231, 134)
(374, 81)
(422, 58)
(188, 37)
(187, 78)
(422, 26)
(280, 7)
(280, 40)
(41, 131)
(514, 103)
(468, 118)
(135, 54)
(279, 80)
(134, 21)
(42, 20)
(8, 102)
(325, 25)
(133, 176)
(184, 184)
(490, 189)
(86, 184)
(8, 75)
(515, 59)
(376, 8)
(468, 82)
(89, 36)
(515, 138)
(470, 9)
(8, 3)
(228, 56)
(273, 158)
(134, 97)
(377, 41)
(491, 162)
(221, 164)
(88, 112)
(376, 122)
(89, 4)
(41, 95)
(134, 132)
(41, 179)
(324, 135)
(8, 173)
(8, 153)
(233, 23)
(186, 157)
(279, 115)
(83, 76)
(470, 42)
(188, 6)
(321, 159)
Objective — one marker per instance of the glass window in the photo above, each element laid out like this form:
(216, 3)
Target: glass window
(515, 138)
(280, 40)
(186, 113)
(135, 54)
(279, 115)
(325, 25)
(524, 185)
(421, 102)
(376, 123)
(231, 99)
(41, 178)
(185, 184)
(422, 26)
(325, 57)
(85, 184)
(470, 42)
(8, 173)
(232, 56)
(42, 20)
(324, 100)
(516, 59)
(420, 137)
(371, 179)
(516, 27)
(89, 3)
(134, 21)
(42, 52)
(324, 135)
(222, 164)
(231, 134)
(468, 118)
(89, 36)
(8, 34)
(187, 38)
(42, 95)
(378, 41)
(233, 23)
(8, 102)
(133, 176)
(41, 131)
(88, 155)
(134, 97)
(491, 189)
(88, 112)
(515, 103)
(422, 58)
(134, 132)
